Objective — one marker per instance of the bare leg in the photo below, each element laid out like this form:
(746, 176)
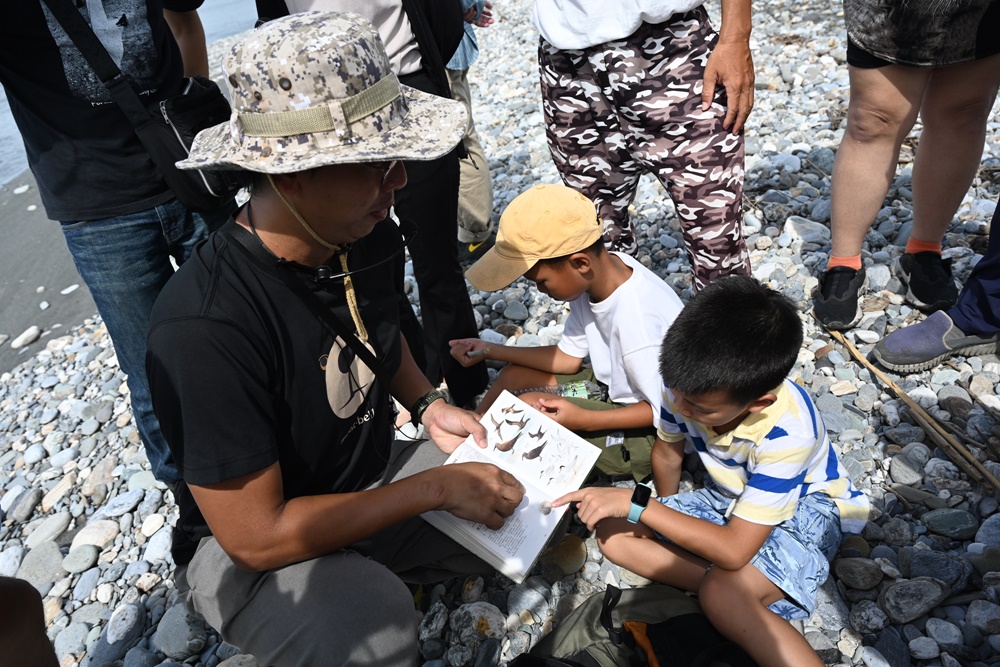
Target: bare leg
(635, 547)
(954, 112)
(736, 601)
(882, 110)
(514, 377)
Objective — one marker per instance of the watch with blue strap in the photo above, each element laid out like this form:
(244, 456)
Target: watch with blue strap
(640, 498)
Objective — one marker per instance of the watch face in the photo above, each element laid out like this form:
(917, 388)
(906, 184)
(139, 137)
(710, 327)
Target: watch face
(641, 495)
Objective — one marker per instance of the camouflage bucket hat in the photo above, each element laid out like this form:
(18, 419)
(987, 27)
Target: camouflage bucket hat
(315, 89)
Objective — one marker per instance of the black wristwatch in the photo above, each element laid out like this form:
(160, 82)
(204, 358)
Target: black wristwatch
(640, 498)
(420, 407)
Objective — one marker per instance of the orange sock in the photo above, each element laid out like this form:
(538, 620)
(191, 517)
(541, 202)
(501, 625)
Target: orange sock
(914, 246)
(850, 261)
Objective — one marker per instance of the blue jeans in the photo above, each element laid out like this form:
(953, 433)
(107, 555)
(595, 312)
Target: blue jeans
(125, 261)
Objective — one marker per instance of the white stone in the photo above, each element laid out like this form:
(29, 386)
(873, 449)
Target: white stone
(29, 336)
(158, 547)
(105, 592)
(151, 524)
(924, 648)
(99, 533)
(944, 632)
(10, 497)
(147, 581)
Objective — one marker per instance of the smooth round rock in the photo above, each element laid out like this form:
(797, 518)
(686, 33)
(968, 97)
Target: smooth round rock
(954, 523)
(904, 601)
(989, 531)
(859, 573)
(81, 559)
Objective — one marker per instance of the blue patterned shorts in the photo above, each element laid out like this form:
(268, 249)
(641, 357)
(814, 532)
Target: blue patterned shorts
(795, 557)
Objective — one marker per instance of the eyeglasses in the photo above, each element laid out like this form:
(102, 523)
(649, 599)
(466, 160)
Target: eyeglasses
(384, 167)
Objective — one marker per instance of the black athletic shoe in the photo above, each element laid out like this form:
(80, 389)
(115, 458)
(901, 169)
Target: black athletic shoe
(929, 285)
(469, 253)
(838, 301)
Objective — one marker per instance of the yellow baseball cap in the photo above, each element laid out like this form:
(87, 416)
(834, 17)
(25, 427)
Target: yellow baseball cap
(544, 222)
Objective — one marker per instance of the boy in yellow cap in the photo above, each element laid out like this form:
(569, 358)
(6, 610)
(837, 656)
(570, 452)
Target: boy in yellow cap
(619, 313)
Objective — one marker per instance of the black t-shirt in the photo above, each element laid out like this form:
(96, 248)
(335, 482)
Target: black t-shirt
(81, 148)
(236, 364)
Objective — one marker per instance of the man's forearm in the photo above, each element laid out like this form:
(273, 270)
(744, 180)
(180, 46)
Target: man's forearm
(736, 21)
(409, 383)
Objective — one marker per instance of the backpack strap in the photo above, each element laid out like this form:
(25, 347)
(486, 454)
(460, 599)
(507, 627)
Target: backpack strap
(611, 597)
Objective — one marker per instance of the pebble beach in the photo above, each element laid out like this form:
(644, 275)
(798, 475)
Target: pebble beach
(83, 519)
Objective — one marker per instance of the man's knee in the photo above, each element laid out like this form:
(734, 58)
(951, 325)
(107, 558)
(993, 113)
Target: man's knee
(343, 609)
(381, 628)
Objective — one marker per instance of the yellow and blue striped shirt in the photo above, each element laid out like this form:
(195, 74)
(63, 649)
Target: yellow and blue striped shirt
(771, 459)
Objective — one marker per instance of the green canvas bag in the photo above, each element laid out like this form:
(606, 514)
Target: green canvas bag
(654, 626)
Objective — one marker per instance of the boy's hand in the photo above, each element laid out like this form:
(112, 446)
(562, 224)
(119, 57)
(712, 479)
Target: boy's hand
(596, 503)
(449, 426)
(568, 414)
(469, 351)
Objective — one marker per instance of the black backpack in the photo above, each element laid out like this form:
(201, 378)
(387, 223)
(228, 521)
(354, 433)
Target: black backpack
(655, 626)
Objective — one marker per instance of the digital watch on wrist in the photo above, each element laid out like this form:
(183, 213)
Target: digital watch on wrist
(640, 498)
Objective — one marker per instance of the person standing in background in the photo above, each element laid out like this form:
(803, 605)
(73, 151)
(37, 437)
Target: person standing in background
(120, 221)
(649, 86)
(938, 59)
(475, 194)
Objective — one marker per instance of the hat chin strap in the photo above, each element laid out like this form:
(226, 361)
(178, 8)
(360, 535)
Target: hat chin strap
(302, 221)
(352, 299)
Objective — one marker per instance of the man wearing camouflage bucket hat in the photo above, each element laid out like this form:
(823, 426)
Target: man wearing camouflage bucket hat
(275, 351)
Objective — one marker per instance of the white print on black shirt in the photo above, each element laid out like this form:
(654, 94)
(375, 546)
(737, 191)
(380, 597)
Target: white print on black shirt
(123, 28)
(348, 379)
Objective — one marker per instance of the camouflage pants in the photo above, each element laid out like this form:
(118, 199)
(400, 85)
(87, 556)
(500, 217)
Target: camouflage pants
(620, 108)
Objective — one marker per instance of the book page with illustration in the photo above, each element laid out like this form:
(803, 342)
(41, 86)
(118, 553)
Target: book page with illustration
(548, 459)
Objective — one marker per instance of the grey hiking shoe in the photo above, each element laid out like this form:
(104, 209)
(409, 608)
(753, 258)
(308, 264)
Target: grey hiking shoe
(926, 344)
(837, 304)
(928, 280)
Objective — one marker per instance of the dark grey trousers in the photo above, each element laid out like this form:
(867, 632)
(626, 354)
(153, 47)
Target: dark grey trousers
(351, 607)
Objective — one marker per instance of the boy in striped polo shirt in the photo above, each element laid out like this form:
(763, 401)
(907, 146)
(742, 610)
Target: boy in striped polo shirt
(756, 541)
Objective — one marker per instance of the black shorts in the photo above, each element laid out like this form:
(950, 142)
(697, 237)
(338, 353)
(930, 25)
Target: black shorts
(987, 43)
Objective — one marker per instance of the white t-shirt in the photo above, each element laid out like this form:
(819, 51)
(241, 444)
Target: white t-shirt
(579, 24)
(623, 334)
(388, 18)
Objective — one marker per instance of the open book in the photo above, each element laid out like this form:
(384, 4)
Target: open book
(548, 459)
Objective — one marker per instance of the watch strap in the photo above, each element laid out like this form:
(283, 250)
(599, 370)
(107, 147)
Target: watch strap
(635, 512)
(420, 407)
